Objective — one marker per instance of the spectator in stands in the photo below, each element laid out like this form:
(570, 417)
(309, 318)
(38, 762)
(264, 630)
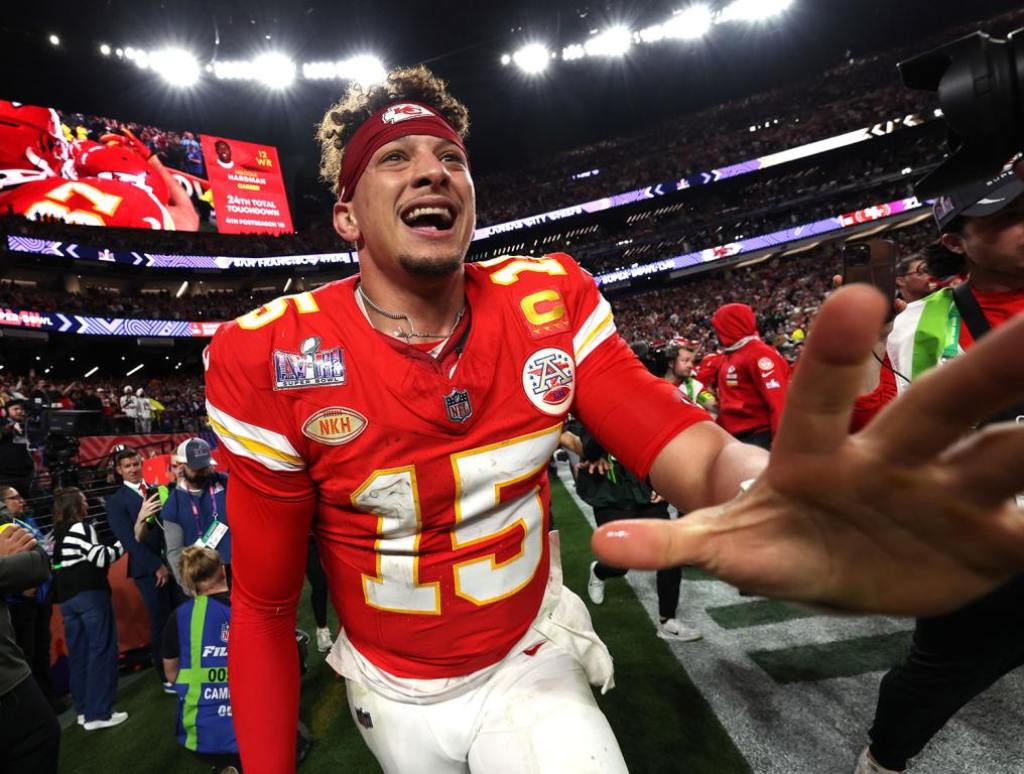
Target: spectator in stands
(143, 412)
(29, 731)
(83, 591)
(129, 407)
(752, 377)
(203, 725)
(913, 282)
(17, 468)
(196, 509)
(136, 500)
(30, 608)
(193, 155)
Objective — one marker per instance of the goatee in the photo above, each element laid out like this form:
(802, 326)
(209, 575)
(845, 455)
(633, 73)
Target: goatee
(434, 266)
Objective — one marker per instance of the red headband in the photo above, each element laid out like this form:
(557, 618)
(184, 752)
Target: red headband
(399, 119)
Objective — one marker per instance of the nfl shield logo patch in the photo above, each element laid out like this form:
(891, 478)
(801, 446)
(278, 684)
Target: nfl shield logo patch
(457, 405)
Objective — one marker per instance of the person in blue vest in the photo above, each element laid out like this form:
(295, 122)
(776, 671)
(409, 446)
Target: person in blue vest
(195, 660)
(196, 509)
(133, 500)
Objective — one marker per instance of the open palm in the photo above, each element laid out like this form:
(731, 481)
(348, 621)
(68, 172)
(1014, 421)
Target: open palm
(913, 515)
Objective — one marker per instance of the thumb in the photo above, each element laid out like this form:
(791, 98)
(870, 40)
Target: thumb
(650, 544)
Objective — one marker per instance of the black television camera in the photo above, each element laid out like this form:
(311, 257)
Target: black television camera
(979, 81)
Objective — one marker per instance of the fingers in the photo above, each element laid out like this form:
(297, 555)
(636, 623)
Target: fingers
(829, 374)
(946, 402)
(987, 468)
(650, 544)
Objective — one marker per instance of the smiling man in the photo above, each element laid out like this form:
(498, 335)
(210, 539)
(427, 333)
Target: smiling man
(407, 416)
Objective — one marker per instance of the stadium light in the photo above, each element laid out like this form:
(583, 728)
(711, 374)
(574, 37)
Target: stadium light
(287, 285)
(182, 289)
(614, 41)
(141, 58)
(689, 24)
(575, 51)
(274, 70)
(105, 49)
(176, 66)
(506, 59)
(533, 58)
(54, 40)
(753, 10)
(137, 368)
(364, 69)
(119, 52)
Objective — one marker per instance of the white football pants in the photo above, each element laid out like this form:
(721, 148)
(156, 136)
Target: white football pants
(535, 715)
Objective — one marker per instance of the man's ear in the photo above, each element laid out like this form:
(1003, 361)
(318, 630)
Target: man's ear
(345, 223)
(953, 242)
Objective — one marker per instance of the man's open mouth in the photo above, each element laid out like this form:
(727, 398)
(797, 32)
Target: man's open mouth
(433, 217)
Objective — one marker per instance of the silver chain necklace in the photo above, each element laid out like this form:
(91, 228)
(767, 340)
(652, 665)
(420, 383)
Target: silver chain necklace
(411, 333)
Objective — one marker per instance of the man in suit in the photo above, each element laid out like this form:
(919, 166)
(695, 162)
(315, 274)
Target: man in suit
(133, 501)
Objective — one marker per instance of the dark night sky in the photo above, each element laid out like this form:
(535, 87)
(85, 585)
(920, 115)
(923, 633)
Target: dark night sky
(462, 41)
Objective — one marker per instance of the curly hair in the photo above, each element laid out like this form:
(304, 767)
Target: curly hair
(415, 84)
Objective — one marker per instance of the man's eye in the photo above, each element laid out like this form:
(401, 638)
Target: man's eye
(393, 156)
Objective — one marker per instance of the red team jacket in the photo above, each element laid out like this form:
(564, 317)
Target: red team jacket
(426, 484)
(751, 381)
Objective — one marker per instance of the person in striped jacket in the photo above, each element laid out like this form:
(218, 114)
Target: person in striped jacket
(83, 591)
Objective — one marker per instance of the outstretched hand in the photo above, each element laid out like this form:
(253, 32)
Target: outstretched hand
(911, 516)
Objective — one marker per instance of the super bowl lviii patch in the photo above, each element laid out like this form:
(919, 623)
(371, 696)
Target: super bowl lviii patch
(549, 380)
(309, 367)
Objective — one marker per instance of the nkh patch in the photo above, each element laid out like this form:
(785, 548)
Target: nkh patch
(457, 406)
(334, 425)
(549, 380)
(309, 367)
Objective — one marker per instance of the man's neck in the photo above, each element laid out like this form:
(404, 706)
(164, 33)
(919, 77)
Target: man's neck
(431, 304)
(988, 281)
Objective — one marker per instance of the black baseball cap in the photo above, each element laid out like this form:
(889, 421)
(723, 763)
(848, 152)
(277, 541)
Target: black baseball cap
(979, 199)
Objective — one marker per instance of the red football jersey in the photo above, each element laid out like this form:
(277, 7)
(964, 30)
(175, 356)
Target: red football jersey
(432, 485)
(88, 201)
(751, 385)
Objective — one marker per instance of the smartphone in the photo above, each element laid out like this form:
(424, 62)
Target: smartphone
(873, 262)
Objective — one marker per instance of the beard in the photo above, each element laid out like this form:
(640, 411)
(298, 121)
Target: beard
(197, 478)
(434, 266)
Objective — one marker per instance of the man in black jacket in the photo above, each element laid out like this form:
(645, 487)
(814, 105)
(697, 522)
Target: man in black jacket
(17, 468)
(29, 731)
(133, 500)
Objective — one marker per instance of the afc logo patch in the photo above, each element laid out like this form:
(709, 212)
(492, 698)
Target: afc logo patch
(549, 380)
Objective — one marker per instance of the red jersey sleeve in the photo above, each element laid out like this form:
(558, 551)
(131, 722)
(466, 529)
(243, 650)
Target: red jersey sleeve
(867, 406)
(630, 411)
(271, 502)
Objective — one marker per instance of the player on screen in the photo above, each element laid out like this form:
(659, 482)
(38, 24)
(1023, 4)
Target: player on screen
(407, 416)
(117, 182)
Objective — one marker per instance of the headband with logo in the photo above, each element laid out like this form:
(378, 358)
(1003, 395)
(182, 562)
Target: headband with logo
(398, 119)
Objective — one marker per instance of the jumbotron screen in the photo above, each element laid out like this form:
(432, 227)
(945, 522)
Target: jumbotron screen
(98, 171)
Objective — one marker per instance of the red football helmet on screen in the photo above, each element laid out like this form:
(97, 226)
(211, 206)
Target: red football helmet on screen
(116, 162)
(32, 144)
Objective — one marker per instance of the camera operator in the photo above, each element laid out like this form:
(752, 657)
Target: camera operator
(29, 731)
(196, 509)
(17, 468)
(133, 501)
(956, 656)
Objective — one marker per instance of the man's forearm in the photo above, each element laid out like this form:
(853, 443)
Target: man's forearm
(704, 466)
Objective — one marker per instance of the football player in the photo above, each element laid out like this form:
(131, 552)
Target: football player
(407, 416)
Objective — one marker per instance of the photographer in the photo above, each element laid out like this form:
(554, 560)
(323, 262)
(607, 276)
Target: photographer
(29, 731)
(956, 656)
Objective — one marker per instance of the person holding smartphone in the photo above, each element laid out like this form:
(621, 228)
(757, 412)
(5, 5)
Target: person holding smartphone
(136, 500)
